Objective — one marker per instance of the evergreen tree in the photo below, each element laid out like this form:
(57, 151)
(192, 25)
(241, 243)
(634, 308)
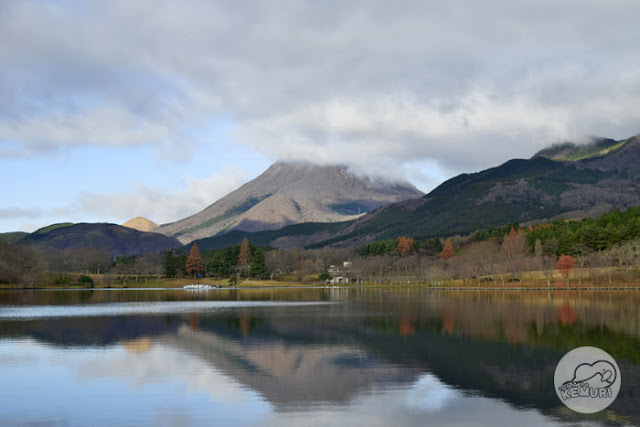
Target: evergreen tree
(217, 266)
(258, 264)
(169, 264)
(181, 264)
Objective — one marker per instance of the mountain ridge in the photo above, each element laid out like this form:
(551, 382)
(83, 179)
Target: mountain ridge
(290, 193)
(118, 240)
(524, 190)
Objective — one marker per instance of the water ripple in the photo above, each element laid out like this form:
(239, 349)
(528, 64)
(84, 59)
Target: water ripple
(133, 308)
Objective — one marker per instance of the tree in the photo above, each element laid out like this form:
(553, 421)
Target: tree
(217, 266)
(537, 248)
(194, 264)
(258, 264)
(181, 264)
(170, 269)
(244, 257)
(404, 246)
(564, 265)
(448, 251)
(513, 245)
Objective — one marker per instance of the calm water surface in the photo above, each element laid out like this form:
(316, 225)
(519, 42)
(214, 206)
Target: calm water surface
(307, 356)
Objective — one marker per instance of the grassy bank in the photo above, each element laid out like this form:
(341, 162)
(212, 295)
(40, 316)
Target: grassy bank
(583, 279)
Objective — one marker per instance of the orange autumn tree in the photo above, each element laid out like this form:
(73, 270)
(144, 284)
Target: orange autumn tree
(194, 264)
(564, 265)
(244, 257)
(448, 251)
(404, 246)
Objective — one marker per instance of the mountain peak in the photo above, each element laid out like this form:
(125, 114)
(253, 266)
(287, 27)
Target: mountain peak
(571, 151)
(141, 224)
(290, 193)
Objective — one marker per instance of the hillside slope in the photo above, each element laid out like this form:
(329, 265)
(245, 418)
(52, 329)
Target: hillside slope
(291, 193)
(116, 239)
(605, 176)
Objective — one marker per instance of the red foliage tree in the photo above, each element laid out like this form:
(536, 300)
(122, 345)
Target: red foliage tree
(448, 251)
(564, 265)
(404, 246)
(244, 257)
(194, 264)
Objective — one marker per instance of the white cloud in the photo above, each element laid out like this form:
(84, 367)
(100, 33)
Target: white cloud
(384, 87)
(158, 204)
(17, 212)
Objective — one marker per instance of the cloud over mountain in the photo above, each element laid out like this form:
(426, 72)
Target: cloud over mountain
(383, 86)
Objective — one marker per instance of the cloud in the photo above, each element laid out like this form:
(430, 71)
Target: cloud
(157, 203)
(380, 86)
(16, 212)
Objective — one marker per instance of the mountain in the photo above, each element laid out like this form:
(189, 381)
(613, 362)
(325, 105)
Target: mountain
(141, 224)
(566, 181)
(569, 151)
(116, 239)
(12, 237)
(291, 193)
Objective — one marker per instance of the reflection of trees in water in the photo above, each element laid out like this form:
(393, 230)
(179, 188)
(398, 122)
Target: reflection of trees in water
(406, 326)
(448, 320)
(194, 320)
(566, 314)
(244, 321)
(503, 344)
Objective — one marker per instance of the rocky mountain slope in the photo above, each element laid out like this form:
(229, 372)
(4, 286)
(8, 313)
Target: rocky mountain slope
(583, 180)
(291, 193)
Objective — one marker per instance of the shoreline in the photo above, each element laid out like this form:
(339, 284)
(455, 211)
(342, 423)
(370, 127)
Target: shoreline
(317, 286)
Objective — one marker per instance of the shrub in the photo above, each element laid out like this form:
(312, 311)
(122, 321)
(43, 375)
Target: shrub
(324, 277)
(62, 280)
(85, 280)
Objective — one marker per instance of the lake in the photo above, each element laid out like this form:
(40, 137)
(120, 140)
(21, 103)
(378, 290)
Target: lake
(312, 356)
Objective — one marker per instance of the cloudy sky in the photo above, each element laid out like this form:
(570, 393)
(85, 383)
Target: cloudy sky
(115, 109)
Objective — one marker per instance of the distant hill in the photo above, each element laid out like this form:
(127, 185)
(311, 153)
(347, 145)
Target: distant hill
(291, 193)
(12, 237)
(141, 224)
(605, 175)
(115, 238)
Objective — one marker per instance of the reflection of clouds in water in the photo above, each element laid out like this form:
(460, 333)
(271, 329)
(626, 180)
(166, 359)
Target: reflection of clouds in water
(158, 378)
(18, 352)
(429, 394)
(428, 401)
(146, 308)
(161, 362)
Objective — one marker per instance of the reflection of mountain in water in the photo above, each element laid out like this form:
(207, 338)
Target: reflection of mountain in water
(293, 374)
(506, 348)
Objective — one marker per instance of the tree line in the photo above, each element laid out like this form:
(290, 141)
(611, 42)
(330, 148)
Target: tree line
(602, 250)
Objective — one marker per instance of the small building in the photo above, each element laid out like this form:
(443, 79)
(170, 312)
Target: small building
(340, 274)
(333, 270)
